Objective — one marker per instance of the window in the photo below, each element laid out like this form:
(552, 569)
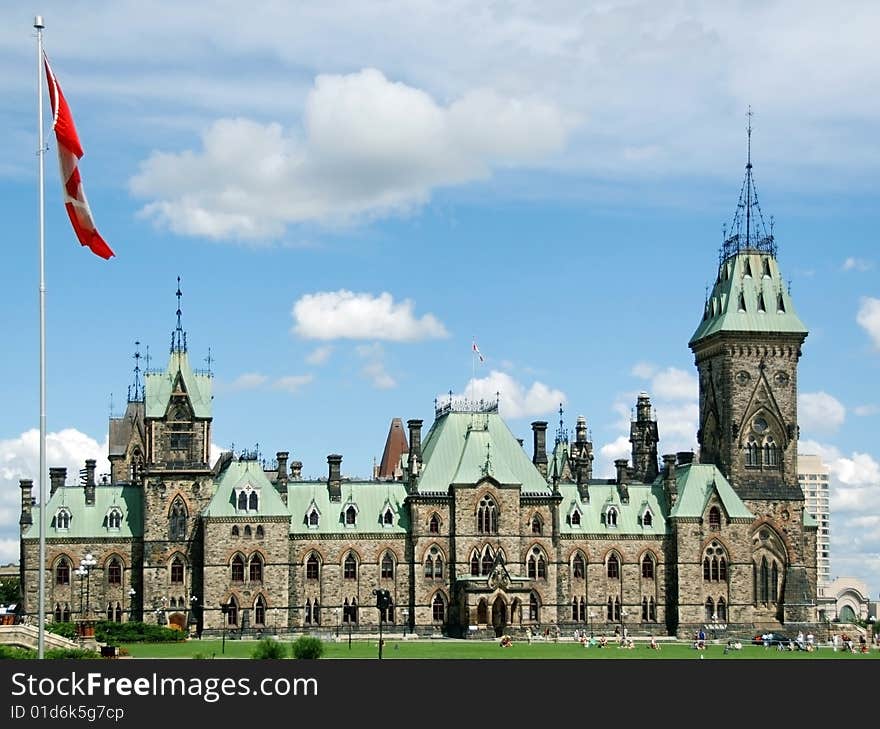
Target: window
(536, 524)
(349, 611)
(710, 610)
(260, 532)
(575, 518)
(232, 612)
(774, 582)
(647, 519)
(771, 452)
(482, 612)
(534, 608)
(109, 612)
(537, 565)
(706, 569)
(177, 570)
(114, 519)
(387, 568)
(715, 563)
(488, 562)
(578, 566)
(475, 565)
(753, 453)
(177, 520)
(312, 567)
(316, 612)
(613, 566)
(583, 610)
(256, 568)
(238, 568)
(118, 616)
(259, 611)
(611, 517)
(247, 531)
(574, 609)
(429, 568)
(114, 572)
(235, 531)
(388, 517)
(253, 501)
(62, 519)
(487, 516)
(644, 608)
(242, 501)
(62, 572)
(722, 569)
(438, 608)
(715, 518)
(350, 516)
(714, 570)
(722, 610)
(438, 565)
(609, 615)
(313, 519)
(652, 610)
(434, 525)
(647, 567)
(349, 571)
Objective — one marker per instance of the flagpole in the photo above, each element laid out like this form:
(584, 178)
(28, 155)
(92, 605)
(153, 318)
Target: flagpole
(38, 24)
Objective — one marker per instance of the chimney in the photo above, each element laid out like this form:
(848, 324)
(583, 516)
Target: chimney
(580, 430)
(334, 480)
(685, 458)
(296, 468)
(415, 438)
(670, 486)
(57, 477)
(281, 480)
(539, 432)
(622, 475)
(90, 482)
(582, 477)
(27, 498)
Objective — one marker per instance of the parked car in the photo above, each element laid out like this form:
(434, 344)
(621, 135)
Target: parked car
(772, 638)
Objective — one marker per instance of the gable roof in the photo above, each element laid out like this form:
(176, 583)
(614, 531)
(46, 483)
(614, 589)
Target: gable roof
(238, 474)
(370, 497)
(395, 447)
(89, 521)
(158, 387)
(696, 483)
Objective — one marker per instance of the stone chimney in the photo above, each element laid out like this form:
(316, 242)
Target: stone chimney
(90, 481)
(685, 458)
(643, 436)
(622, 475)
(296, 469)
(539, 433)
(670, 486)
(57, 477)
(281, 480)
(334, 480)
(27, 498)
(415, 445)
(582, 476)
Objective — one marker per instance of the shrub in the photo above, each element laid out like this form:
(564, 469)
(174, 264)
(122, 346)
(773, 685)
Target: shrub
(65, 630)
(269, 648)
(70, 653)
(307, 647)
(8, 652)
(135, 632)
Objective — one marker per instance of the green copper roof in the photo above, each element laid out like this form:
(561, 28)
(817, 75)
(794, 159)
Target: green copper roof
(370, 500)
(158, 387)
(464, 447)
(642, 498)
(239, 475)
(749, 296)
(696, 483)
(91, 521)
(809, 519)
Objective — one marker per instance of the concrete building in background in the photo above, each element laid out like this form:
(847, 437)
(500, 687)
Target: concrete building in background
(813, 478)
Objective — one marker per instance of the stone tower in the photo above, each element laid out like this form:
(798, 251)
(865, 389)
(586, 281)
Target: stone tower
(746, 350)
(644, 437)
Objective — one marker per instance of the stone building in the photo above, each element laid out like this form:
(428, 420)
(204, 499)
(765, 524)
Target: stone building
(469, 532)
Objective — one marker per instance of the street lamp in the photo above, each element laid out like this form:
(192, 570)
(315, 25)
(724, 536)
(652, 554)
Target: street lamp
(224, 608)
(623, 614)
(85, 568)
(275, 620)
(131, 593)
(336, 613)
(592, 615)
(81, 572)
(870, 631)
(405, 620)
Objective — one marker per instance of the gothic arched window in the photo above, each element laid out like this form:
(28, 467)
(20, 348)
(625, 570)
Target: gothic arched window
(648, 567)
(349, 570)
(253, 501)
(259, 611)
(438, 608)
(177, 520)
(312, 567)
(177, 570)
(387, 567)
(114, 572)
(578, 566)
(487, 516)
(613, 566)
(62, 572)
(238, 568)
(714, 518)
(256, 568)
(434, 525)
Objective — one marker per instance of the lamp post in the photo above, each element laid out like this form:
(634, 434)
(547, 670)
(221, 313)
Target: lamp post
(275, 620)
(336, 613)
(870, 631)
(131, 593)
(81, 572)
(405, 620)
(623, 614)
(592, 615)
(224, 608)
(86, 563)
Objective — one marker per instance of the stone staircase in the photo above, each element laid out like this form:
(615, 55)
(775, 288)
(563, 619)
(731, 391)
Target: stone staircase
(28, 636)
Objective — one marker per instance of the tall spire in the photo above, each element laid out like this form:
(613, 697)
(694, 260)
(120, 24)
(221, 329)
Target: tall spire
(178, 336)
(561, 431)
(136, 389)
(748, 230)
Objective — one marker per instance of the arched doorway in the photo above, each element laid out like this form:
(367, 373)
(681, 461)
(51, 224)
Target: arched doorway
(482, 612)
(499, 616)
(177, 621)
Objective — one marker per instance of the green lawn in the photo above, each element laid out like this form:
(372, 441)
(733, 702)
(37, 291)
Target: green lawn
(471, 649)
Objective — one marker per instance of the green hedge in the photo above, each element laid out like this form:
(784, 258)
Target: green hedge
(135, 632)
(65, 630)
(10, 653)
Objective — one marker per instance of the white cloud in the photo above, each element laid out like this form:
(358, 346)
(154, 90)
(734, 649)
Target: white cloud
(370, 147)
(347, 315)
(374, 369)
(669, 384)
(610, 452)
(20, 458)
(856, 264)
(857, 469)
(820, 412)
(319, 355)
(292, 383)
(868, 318)
(644, 370)
(9, 551)
(248, 381)
(515, 399)
(866, 410)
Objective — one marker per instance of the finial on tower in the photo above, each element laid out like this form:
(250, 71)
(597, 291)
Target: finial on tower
(178, 336)
(136, 389)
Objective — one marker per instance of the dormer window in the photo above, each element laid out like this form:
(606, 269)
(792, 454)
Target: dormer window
(313, 519)
(742, 302)
(114, 519)
(647, 518)
(766, 268)
(575, 518)
(247, 499)
(747, 272)
(388, 517)
(62, 519)
(611, 516)
(350, 515)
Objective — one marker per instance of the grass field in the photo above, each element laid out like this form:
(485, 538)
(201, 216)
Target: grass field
(471, 649)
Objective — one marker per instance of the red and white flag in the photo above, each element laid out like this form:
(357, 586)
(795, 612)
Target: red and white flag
(477, 352)
(69, 152)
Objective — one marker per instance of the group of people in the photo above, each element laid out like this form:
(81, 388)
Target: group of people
(845, 642)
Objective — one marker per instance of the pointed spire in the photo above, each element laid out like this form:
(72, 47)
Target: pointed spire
(748, 230)
(136, 388)
(178, 336)
(561, 432)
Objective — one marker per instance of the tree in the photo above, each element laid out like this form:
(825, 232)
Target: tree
(10, 590)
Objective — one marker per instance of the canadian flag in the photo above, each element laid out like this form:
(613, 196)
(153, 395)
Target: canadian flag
(477, 352)
(69, 153)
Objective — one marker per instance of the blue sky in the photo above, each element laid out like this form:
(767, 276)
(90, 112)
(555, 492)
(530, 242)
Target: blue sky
(352, 194)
